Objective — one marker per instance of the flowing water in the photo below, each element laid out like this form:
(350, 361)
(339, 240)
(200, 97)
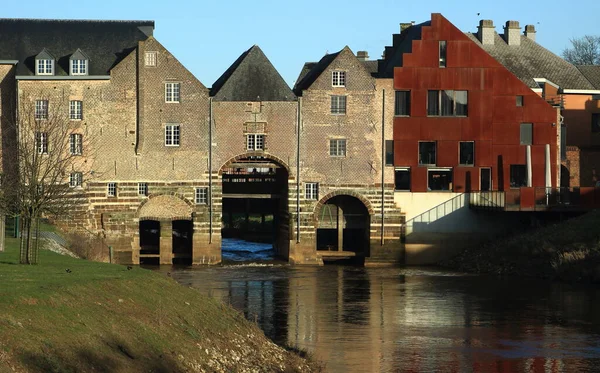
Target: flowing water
(394, 319)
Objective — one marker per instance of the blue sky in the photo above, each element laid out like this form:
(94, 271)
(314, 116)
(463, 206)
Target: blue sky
(207, 36)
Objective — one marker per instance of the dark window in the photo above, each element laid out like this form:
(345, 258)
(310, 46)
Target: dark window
(402, 105)
(389, 152)
(467, 153)
(426, 152)
(442, 53)
(337, 147)
(402, 179)
(439, 180)
(596, 123)
(518, 175)
(486, 180)
(526, 133)
(338, 104)
(447, 103)
(519, 100)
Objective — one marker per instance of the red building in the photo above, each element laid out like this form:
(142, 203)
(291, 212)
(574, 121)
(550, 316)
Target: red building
(462, 120)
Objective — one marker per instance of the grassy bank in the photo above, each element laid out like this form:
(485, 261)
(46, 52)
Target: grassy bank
(569, 251)
(72, 315)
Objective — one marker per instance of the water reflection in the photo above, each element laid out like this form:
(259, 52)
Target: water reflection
(390, 319)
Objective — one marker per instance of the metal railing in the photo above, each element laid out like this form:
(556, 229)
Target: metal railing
(536, 199)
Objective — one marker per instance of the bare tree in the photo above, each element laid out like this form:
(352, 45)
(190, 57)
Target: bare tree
(584, 51)
(52, 155)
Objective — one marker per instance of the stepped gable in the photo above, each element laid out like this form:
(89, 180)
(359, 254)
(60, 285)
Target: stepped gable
(401, 44)
(106, 43)
(591, 73)
(530, 60)
(251, 77)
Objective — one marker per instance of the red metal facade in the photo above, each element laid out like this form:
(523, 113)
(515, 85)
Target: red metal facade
(493, 120)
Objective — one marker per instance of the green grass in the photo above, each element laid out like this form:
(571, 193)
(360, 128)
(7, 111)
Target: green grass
(104, 317)
(568, 251)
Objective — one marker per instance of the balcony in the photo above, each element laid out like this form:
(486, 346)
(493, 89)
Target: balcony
(536, 199)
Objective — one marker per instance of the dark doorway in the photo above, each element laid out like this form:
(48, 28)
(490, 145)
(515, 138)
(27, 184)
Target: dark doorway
(149, 242)
(182, 241)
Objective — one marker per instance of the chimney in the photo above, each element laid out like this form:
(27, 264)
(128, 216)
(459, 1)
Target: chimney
(530, 32)
(512, 33)
(362, 55)
(404, 26)
(486, 32)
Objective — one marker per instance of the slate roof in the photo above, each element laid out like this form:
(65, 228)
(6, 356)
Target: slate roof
(251, 76)
(592, 74)
(311, 71)
(530, 60)
(105, 42)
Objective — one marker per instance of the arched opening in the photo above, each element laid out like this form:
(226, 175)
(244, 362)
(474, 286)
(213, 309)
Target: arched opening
(182, 241)
(343, 229)
(255, 223)
(149, 242)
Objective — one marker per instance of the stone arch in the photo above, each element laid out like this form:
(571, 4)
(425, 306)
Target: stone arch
(340, 192)
(170, 206)
(255, 154)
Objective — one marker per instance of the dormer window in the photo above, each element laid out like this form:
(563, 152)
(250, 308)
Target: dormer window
(78, 63)
(338, 79)
(44, 63)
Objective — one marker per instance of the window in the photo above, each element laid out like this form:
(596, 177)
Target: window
(427, 152)
(142, 189)
(311, 191)
(519, 101)
(485, 182)
(75, 179)
(201, 196)
(337, 147)
(439, 179)
(75, 143)
(41, 109)
(111, 189)
(402, 103)
(44, 67)
(172, 135)
(338, 104)
(389, 152)
(171, 92)
(466, 150)
(526, 133)
(75, 110)
(255, 141)
(447, 103)
(79, 67)
(402, 179)
(518, 175)
(41, 142)
(442, 54)
(596, 123)
(338, 79)
(150, 59)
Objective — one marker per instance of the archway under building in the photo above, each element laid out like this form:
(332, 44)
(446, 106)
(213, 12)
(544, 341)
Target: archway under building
(342, 229)
(255, 216)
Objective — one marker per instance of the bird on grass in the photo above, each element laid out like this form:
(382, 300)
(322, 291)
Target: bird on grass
(129, 268)
(68, 270)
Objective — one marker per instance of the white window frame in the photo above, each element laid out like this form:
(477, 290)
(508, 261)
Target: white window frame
(150, 59)
(201, 195)
(44, 66)
(172, 92)
(41, 109)
(311, 191)
(79, 67)
(338, 78)
(336, 104)
(75, 144)
(143, 189)
(338, 147)
(255, 141)
(172, 134)
(75, 110)
(441, 169)
(75, 179)
(111, 189)
(41, 142)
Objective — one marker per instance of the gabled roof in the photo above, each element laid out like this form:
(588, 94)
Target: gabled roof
(530, 60)
(251, 77)
(402, 43)
(311, 71)
(44, 55)
(105, 42)
(79, 55)
(591, 73)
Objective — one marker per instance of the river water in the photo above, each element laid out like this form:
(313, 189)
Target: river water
(392, 319)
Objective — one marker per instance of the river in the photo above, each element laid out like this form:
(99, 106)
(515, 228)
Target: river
(392, 319)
